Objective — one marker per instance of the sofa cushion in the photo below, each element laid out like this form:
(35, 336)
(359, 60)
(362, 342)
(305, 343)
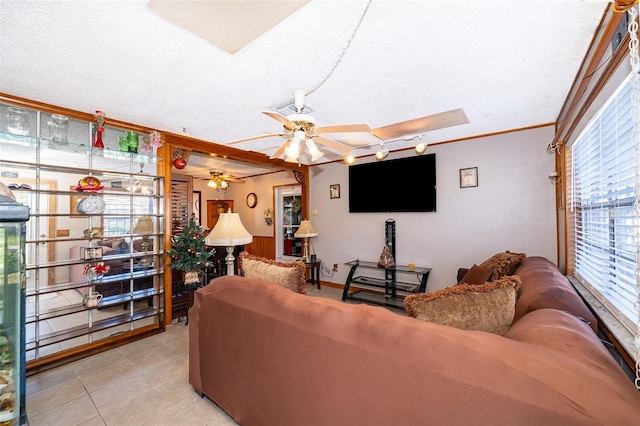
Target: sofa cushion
(502, 264)
(544, 286)
(287, 274)
(477, 275)
(487, 307)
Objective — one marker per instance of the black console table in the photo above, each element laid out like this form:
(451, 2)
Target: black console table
(386, 291)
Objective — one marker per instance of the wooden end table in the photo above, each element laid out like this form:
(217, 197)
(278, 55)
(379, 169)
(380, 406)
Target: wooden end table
(314, 272)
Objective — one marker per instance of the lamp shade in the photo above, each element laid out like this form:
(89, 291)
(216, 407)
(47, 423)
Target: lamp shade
(305, 230)
(144, 225)
(228, 231)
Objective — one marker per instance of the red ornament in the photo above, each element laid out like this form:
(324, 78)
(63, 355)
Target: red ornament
(192, 251)
(99, 143)
(180, 163)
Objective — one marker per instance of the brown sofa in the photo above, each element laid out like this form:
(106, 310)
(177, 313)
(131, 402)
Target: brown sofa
(269, 356)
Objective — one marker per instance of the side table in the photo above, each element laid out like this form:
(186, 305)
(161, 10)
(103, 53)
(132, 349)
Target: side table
(314, 272)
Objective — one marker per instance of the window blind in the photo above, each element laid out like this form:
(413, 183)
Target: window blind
(603, 207)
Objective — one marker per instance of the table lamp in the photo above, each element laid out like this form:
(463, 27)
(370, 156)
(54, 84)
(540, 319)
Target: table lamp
(144, 227)
(305, 231)
(228, 232)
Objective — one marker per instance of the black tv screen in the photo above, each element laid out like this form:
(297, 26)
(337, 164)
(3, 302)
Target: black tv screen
(402, 185)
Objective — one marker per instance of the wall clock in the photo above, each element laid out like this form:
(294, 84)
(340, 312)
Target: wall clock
(93, 204)
(252, 200)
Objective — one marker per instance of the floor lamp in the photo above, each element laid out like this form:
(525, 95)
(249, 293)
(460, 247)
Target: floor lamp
(228, 232)
(144, 227)
(305, 231)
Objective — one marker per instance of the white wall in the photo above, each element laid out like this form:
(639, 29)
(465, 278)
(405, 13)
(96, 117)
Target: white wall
(511, 209)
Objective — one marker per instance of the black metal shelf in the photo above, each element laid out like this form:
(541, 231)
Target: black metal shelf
(386, 291)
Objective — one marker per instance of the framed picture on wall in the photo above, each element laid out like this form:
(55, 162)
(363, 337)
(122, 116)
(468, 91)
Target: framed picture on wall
(73, 203)
(334, 191)
(469, 177)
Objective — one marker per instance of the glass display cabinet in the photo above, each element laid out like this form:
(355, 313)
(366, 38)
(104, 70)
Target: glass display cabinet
(13, 218)
(94, 274)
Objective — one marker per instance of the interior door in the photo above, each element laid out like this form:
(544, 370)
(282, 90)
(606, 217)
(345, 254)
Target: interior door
(40, 227)
(214, 208)
(288, 203)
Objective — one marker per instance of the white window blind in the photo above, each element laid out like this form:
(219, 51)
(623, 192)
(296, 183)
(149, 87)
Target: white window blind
(603, 202)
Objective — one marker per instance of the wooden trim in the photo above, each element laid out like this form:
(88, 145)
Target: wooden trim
(164, 169)
(250, 157)
(577, 104)
(65, 357)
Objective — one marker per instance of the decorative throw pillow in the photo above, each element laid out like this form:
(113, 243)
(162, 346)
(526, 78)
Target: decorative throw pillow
(487, 307)
(502, 264)
(477, 275)
(287, 274)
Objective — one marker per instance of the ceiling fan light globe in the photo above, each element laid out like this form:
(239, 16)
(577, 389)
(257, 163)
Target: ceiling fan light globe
(291, 160)
(212, 184)
(313, 150)
(349, 159)
(315, 156)
(224, 184)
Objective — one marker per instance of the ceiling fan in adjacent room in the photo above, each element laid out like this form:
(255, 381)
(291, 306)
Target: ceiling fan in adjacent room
(301, 129)
(220, 180)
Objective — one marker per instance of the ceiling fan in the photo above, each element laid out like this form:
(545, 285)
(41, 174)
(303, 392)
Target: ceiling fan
(220, 180)
(299, 128)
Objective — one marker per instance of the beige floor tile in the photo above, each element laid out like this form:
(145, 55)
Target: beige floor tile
(191, 411)
(58, 395)
(71, 413)
(135, 411)
(94, 421)
(167, 371)
(106, 375)
(49, 379)
(113, 394)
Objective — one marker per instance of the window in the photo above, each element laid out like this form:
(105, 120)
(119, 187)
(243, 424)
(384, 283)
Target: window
(117, 220)
(603, 205)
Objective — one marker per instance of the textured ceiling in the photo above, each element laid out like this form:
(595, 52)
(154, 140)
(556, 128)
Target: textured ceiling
(507, 64)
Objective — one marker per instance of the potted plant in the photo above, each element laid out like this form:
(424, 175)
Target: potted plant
(188, 252)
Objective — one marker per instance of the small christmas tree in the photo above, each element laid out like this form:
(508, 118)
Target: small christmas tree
(187, 250)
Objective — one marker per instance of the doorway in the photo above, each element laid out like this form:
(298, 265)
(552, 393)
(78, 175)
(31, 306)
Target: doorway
(288, 204)
(214, 208)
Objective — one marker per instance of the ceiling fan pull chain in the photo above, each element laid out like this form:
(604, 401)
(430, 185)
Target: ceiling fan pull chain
(341, 54)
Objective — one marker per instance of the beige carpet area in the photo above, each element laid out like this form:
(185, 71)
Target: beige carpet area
(143, 383)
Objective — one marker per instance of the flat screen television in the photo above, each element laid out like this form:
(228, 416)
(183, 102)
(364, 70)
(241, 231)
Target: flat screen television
(402, 185)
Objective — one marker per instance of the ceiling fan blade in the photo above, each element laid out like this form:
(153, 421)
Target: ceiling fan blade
(335, 145)
(231, 179)
(423, 124)
(343, 128)
(252, 138)
(280, 150)
(288, 124)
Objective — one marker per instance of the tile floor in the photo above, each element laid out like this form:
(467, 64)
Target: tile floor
(143, 383)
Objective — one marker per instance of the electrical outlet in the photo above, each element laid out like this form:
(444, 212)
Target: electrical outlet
(335, 267)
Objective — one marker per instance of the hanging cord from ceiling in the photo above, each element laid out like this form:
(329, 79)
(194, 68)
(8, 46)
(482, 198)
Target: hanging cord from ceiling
(344, 50)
